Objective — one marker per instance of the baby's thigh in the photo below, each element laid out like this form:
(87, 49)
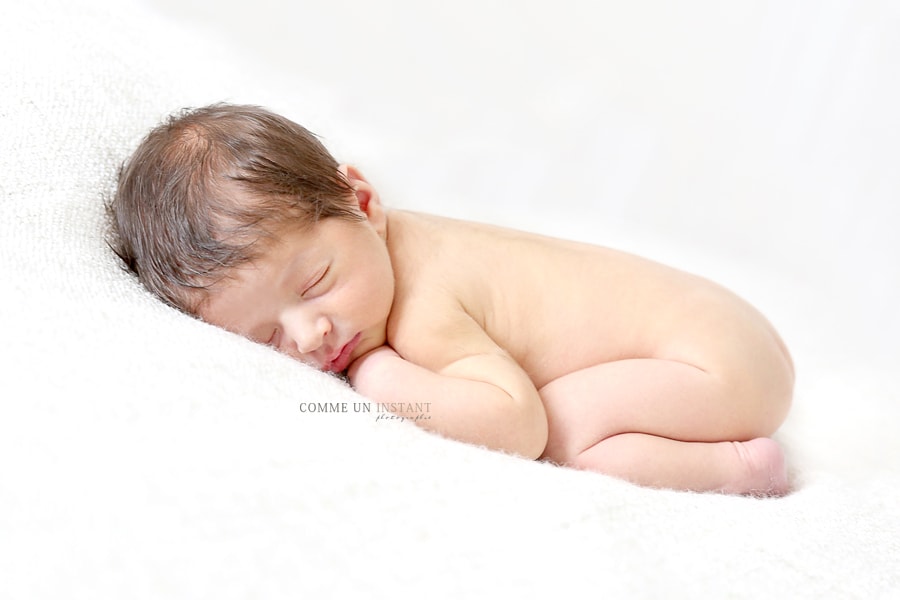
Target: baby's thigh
(666, 398)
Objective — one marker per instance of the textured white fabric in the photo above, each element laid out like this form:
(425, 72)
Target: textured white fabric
(144, 454)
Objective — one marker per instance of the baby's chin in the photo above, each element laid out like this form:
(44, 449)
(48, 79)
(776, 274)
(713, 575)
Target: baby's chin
(368, 342)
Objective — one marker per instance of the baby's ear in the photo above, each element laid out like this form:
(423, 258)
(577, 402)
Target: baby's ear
(366, 197)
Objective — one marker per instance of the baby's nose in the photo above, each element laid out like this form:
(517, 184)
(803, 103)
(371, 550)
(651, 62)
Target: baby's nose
(308, 335)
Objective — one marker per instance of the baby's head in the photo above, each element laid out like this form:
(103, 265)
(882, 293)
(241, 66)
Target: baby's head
(210, 188)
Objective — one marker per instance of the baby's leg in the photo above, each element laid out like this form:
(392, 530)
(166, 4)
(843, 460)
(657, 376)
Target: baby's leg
(667, 424)
(755, 467)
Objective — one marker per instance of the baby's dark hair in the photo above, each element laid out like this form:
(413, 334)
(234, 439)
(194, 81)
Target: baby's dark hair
(206, 189)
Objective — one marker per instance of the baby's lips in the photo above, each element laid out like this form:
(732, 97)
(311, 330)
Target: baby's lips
(340, 362)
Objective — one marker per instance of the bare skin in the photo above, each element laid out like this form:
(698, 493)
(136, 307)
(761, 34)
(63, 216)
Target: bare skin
(572, 353)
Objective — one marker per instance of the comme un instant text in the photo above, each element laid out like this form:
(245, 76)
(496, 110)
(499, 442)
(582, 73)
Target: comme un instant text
(380, 407)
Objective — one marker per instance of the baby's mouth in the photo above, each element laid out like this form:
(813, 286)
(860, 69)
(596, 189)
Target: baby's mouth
(340, 361)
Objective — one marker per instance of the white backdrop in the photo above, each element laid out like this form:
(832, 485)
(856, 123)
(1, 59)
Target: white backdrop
(765, 133)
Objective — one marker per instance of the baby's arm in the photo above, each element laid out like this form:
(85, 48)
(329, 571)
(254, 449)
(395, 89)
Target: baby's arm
(480, 396)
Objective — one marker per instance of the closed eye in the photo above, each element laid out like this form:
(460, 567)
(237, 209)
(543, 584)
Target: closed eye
(316, 284)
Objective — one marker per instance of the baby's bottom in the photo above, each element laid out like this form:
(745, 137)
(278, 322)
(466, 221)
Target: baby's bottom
(666, 424)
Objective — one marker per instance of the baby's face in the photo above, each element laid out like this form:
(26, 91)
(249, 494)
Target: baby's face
(322, 296)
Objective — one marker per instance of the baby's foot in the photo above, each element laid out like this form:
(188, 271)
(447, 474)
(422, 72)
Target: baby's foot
(764, 471)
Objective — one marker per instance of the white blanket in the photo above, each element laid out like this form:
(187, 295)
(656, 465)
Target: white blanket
(144, 454)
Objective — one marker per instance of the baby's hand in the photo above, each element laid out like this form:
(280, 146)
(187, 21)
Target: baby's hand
(372, 371)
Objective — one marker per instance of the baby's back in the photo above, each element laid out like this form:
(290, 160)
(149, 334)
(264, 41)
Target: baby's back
(557, 306)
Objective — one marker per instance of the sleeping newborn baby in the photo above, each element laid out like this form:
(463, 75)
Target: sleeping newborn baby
(572, 353)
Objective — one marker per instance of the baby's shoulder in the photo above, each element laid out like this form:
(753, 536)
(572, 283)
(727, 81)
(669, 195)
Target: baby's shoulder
(433, 285)
(433, 257)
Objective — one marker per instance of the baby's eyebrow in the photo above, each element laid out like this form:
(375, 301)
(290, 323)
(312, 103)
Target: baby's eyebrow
(299, 272)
